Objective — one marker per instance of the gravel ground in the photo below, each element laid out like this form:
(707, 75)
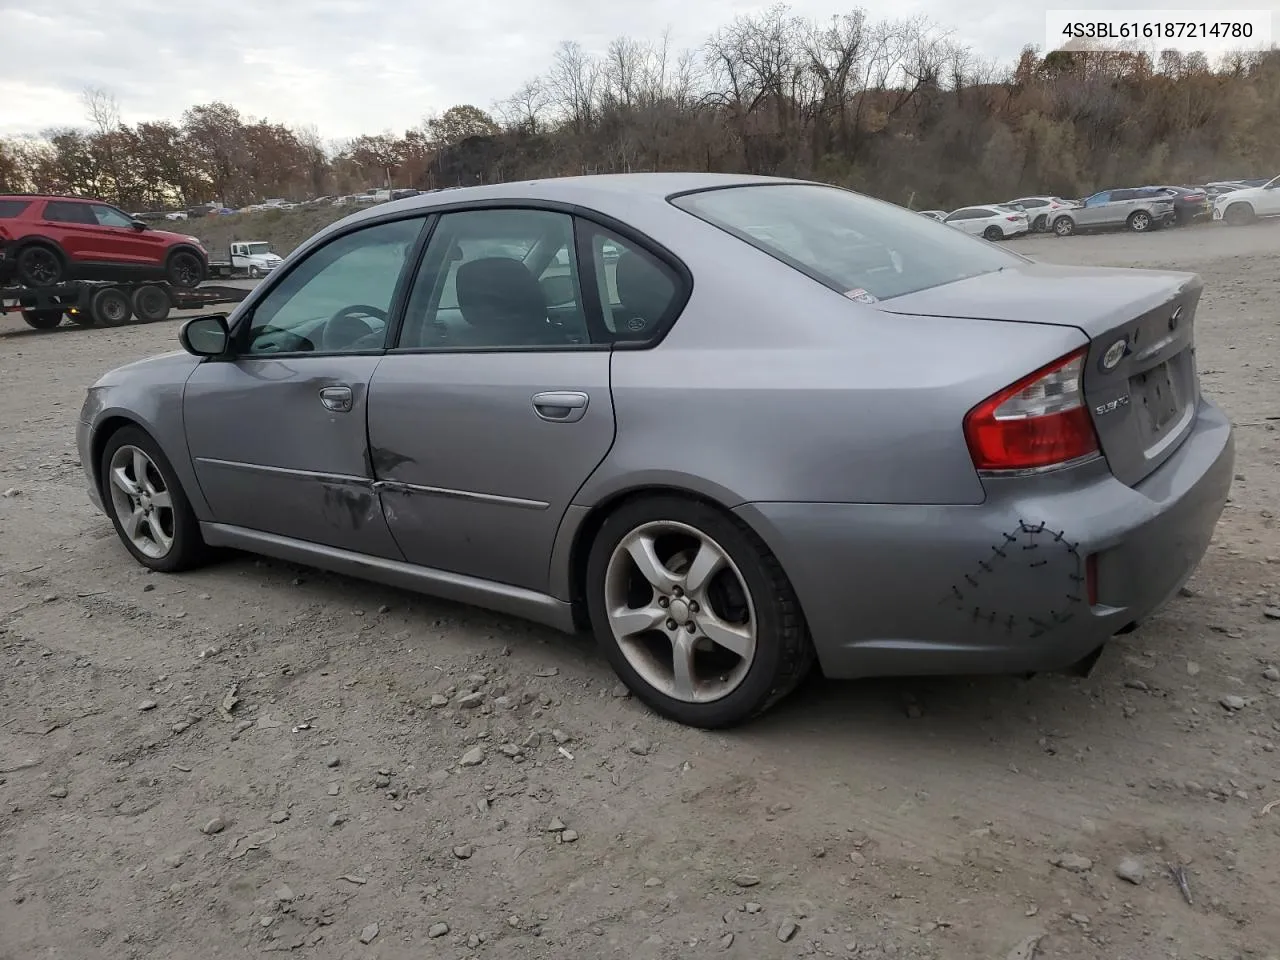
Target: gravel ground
(258, 757)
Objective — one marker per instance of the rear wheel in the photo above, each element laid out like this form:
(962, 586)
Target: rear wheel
(1041, 223)
(1140, 221)
(39, 266)
(110, 307)
(42, 319)
(1064, 226)
(185, 270)
(147, 505)
(993, 233)
(694, 613)
(151, 303)
(1238, 214)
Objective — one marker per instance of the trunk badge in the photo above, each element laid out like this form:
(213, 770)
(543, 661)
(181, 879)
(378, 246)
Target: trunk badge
(1173, 320)
(1114, 354)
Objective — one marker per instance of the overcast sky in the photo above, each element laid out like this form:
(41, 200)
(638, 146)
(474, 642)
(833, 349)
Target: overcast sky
(365, 66)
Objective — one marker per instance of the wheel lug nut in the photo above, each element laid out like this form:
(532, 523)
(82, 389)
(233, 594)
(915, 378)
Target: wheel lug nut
(677, 591)
(664, 602)
(671, 624)
(693, 606)
(691, 627)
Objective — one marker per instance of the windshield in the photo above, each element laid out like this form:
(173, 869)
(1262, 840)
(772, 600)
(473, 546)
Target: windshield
(257, 249)
(847, 241)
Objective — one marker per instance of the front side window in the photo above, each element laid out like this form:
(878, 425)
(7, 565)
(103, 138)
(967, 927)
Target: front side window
(497, 279)
(110, 216)
(337, 299)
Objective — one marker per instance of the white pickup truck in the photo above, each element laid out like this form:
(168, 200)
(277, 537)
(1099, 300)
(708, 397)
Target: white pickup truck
(251, 258)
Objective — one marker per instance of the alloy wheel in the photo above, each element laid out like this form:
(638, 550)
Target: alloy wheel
(141, 501)
(680, 611)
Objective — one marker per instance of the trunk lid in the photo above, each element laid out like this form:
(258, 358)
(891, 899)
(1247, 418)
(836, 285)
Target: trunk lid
(1140, 377)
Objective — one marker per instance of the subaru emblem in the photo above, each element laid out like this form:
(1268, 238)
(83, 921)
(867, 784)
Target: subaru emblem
(1114, 353)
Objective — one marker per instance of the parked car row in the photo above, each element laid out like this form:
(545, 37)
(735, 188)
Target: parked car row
(1139, 209)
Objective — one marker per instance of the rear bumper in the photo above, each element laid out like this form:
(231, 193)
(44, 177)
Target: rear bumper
(999, 587)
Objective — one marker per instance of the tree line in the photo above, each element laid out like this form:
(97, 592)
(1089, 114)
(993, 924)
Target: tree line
(891, 107)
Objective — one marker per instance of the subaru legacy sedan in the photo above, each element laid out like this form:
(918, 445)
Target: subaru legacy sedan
(733, 426)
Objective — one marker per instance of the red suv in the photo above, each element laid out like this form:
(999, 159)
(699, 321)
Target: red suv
(48, 240)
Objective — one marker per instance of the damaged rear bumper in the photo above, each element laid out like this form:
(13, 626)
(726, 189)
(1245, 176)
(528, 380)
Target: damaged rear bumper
(1002, 586)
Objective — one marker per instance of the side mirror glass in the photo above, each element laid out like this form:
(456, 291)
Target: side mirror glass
(207, 336)
(139, 224)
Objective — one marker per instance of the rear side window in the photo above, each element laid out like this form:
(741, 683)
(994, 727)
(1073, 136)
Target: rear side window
(66, 211)
(11, 208)
(845, 240)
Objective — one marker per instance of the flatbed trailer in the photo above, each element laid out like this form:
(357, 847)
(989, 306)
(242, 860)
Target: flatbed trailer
(108, 303)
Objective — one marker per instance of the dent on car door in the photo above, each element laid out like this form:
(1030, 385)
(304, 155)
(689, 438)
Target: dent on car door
(277, 432)
(494, 407)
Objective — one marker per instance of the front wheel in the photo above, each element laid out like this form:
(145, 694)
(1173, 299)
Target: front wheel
(1238, 214)
(694, 613)
(185, 270)
(146, 503)
(254, 273)
(1064, 227)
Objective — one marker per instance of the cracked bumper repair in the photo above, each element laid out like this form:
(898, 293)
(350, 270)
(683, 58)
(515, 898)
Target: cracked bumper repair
(1036, 578)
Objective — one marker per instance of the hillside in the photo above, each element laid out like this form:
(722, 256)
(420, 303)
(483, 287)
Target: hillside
(283, 229)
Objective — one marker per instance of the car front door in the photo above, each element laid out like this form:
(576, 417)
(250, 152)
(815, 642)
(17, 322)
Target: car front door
(1268, 202)
(966, 219)
(277, 431)
(494, 406)
(121, 242)
(1093, 213)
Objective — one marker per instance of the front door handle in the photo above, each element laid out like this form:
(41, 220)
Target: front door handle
(337, 399)
(560, 406)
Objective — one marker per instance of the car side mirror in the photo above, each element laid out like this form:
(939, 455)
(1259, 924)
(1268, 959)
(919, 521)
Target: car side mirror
(138, 225)
(207, 336)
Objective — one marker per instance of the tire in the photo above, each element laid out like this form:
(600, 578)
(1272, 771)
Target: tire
(151, 303)
(1064, 226)
(40, 266)
(1040, 224)
(185, 269)
(110, 307)
(993, 233)
(178, 544)
(749, 583)
(42, 319)
(254, 273)
(1238, 214)
(1140, 221)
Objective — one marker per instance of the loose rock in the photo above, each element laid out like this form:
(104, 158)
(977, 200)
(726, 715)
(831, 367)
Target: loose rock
(216, 825)
(280, 816)
(1072, 862)
(746, 880)
(58, 793)
(464, 851)
(473, 757)
(568, 836)
(726, 941)
(146, 705)
(470, 701)
(437, 930)
(1271, 673)
(640, 747)
(1233, 703)
(1271, 613)
(555, 826)
(620, 691)
(1132, 870)
(369, 933)
(787, 930)
(332, 762)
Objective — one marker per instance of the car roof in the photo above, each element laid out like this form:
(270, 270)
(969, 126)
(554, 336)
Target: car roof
(612, 193)
(48, 196)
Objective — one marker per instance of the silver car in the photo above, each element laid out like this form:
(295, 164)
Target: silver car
(786, 424)
(1137, 208)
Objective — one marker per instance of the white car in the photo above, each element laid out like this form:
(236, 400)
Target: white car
(1041, 211)
(993, 221)
(1247, 205)
(933, 214)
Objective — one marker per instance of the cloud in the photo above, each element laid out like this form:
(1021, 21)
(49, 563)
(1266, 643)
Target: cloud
(363, 66)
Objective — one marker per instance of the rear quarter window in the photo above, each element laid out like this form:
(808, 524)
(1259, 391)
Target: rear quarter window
(844, 240)
(12, 208)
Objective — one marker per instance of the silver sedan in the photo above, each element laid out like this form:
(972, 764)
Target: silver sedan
(733, 426)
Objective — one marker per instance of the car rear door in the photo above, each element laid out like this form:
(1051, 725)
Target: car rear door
(494, 406)
(72, 224)
(277, 431)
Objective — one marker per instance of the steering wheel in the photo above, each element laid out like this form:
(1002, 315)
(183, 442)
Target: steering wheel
(347, 327)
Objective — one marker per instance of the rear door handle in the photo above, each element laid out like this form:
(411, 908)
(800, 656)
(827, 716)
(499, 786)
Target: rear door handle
(337, 399)
(560, 406)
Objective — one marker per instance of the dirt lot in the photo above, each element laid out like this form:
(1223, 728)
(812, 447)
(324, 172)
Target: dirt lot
(326, 812)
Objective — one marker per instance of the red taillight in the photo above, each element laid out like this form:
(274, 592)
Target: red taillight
(1011, 218)
(1040, 421)
(1091, 578)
